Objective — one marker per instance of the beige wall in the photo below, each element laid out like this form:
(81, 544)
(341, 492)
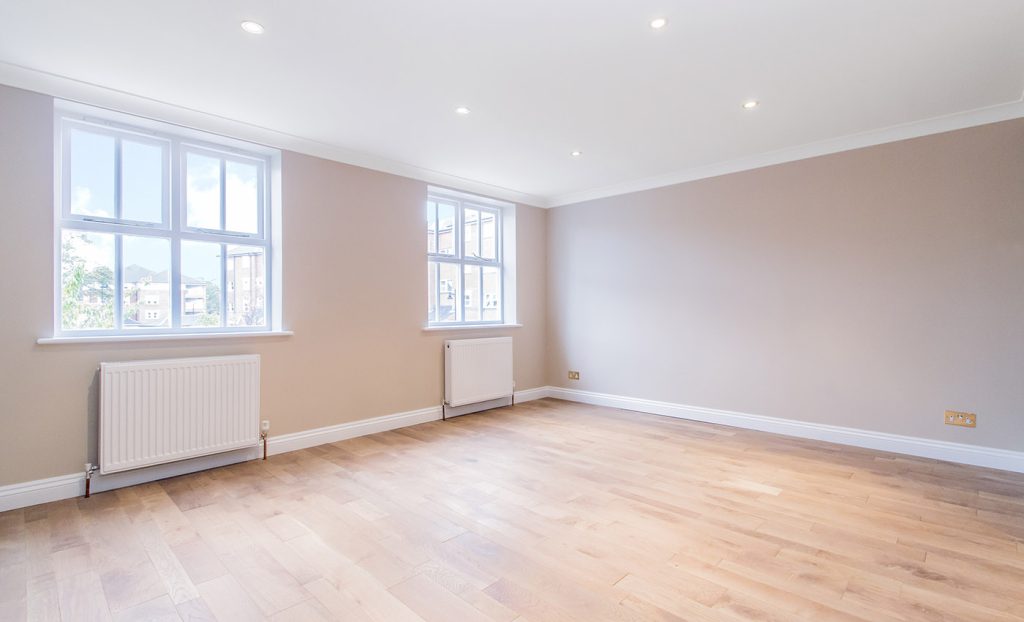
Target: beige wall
(870, 289)
(354, 293)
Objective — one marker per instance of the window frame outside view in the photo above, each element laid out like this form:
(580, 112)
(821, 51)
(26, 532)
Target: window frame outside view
(471, 275)
(164, 289)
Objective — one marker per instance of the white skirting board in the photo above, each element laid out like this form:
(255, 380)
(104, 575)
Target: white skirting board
(976, 455)
(68, 486)
(22, 495)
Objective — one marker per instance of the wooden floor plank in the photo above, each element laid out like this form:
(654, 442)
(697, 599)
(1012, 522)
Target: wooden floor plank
(546, 511)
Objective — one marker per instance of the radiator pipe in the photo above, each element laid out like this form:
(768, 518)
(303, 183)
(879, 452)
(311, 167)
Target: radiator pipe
(263, 437)
(89, 470)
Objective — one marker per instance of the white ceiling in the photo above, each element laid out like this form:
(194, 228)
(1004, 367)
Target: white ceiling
(378, 80)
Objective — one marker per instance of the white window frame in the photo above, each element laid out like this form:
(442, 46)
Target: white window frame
(176, 142)
(504, 222)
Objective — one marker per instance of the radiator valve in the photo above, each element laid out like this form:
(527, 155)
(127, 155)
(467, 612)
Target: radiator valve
(89, 470)
(264, 431)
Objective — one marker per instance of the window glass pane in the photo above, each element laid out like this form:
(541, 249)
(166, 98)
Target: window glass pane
(203, 191)
(432, 293)
(87, 280)
(445, 229)
(142, 182)
(448, 305)
(242, 198)
(146, 282)
(492, 294)
(117, 274)
(200, 284)
(92, 174)
(472, 228)
(247, 291)
(431, 227)
(488, 235)
(472, 295)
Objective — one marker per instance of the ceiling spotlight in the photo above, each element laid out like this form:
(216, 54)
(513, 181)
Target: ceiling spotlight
(658, 23)
(576, 154)
(462, 110)
(750, 105)
(252, 28)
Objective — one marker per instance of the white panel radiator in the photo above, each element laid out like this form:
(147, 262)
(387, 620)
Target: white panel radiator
(477, 370)
(152, 412)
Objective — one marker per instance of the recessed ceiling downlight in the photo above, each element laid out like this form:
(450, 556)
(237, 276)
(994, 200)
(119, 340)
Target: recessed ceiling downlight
(253, 28)
(462, 110)
(576, 153)
(751, 104)
(659, 22)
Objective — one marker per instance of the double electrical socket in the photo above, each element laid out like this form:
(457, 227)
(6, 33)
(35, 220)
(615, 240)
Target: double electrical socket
(967, 420)
(574, 375)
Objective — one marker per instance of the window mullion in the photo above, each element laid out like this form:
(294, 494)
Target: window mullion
(118, 211)
(437, 227)
(480, 234)
(262, 218)
(223, 195)
(103, 226)
(480, 262)
(460, 219)
(175, 187)
(266, 234)
(118, 286)
(457, 232)
(216, 238)
(223, 284)
(65, 171)
(499, 248)
(437, 292)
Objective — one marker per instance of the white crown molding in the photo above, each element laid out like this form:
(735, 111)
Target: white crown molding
(976, 455)
(915, 129)
(96, 95)
(121, 101)
(22, 495)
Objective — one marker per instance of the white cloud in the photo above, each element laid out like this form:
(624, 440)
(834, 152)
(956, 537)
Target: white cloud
(97, 249)
(81, 202)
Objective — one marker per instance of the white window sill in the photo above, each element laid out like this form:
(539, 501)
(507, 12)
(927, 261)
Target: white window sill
(435, 329)
(170, 337)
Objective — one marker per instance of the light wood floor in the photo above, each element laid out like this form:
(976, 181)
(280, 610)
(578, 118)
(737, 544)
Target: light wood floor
(545, 511)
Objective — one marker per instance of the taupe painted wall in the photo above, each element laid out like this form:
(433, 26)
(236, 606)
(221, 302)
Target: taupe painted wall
(354, 293)
(871, 289)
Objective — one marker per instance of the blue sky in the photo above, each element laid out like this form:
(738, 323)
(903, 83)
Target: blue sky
(92, 182)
